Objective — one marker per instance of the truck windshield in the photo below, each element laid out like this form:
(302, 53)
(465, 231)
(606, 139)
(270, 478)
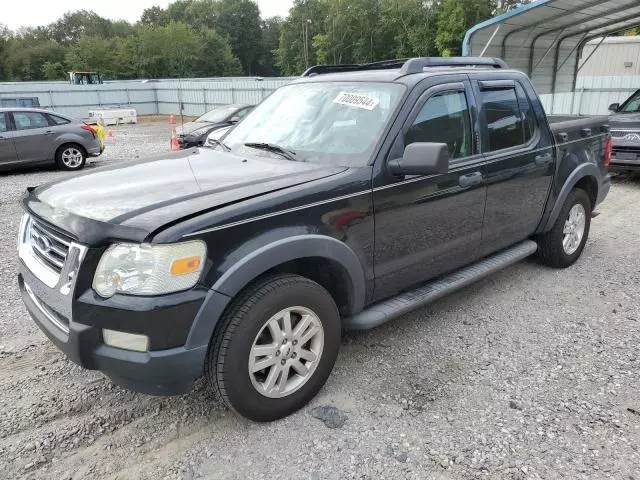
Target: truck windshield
(328, 123)
(632, 105)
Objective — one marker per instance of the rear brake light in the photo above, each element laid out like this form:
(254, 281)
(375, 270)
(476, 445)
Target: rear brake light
(89, 128)
(608, 152)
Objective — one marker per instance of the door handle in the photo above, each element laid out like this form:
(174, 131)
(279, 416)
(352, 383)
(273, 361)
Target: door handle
(471, 179)
(48, 132)
(545, 159)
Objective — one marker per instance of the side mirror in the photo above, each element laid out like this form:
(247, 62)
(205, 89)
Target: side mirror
(614, 107)
(422, 159)
(234, 119)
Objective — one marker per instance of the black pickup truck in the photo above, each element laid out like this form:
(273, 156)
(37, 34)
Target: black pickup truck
(345, 199)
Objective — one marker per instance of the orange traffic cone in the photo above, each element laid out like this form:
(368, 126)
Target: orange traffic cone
(172, 119)
(174, 140)
(110, 133)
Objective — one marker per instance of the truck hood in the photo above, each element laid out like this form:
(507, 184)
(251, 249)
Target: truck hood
(148, 194)
(191, 127)
(625, 120)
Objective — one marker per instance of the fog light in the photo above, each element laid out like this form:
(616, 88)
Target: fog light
(127, 341)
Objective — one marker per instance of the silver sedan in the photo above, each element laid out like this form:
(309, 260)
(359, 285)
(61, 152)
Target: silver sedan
(30, 137)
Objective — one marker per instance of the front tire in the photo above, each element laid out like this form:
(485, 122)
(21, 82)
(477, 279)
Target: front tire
(563, 244)
(275, 347)
(71, 157)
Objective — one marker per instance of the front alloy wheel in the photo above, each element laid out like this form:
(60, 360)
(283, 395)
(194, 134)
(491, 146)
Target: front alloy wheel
(286, 352)
(274, 348)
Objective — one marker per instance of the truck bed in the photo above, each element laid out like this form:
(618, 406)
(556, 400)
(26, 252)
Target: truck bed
(577, 127)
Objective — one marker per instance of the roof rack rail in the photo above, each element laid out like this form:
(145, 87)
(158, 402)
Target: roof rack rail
(408, 66)
(384, 64)
(417, 65)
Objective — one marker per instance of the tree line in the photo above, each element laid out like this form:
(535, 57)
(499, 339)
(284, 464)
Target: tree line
(207, 38)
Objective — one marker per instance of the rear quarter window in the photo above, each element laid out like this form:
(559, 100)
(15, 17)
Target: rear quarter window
(56, 120)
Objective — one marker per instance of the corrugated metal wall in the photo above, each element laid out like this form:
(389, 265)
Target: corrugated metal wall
(619, 56)
(593, 95)
(197, 95)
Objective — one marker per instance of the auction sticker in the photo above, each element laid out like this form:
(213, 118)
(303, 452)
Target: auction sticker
(357, 100)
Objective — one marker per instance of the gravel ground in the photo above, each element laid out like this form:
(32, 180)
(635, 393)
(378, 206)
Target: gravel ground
(531, 373)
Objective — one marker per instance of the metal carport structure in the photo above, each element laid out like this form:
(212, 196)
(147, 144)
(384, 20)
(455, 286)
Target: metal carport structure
(545, 40)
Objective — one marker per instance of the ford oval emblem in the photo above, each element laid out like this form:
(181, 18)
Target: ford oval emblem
(43, 244)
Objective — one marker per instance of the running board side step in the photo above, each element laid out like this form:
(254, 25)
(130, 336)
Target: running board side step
(391, 308)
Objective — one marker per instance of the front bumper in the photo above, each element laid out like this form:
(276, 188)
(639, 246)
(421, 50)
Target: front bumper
(624, 164)
(189, 142)
(66, 309)
(626, 155)
(162, 372)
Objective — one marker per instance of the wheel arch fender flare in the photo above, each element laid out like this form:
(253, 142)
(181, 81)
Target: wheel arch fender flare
(68, 139)
(287, 249)
(269, 256)
(582, 171)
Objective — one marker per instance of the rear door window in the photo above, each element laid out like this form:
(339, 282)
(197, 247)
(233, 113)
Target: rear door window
(504, 120)
(29, 120)
(4, 126)
(444, 118)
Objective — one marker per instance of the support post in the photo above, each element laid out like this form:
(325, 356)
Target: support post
(495, 32)
(155, 99)
(547, 52)
(604, 37)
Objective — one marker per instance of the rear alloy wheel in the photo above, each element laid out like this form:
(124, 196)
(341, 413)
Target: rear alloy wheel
(561, 246)
(71, 157)
(574, 227)
(275, 347)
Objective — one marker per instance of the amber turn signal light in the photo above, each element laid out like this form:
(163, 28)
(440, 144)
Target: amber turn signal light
(185, 265)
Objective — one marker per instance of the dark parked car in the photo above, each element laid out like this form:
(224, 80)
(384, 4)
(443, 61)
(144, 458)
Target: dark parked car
(625, 130)
(345, 199)
(194, 134)
(30, 137)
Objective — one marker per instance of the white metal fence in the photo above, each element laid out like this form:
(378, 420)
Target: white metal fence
(165, 97)
(593, 95)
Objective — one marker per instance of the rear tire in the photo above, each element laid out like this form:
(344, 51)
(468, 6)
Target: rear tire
(71, 157)
(297, 355)
(561, 246)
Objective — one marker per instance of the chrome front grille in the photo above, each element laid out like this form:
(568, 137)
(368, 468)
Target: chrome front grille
(627, 135)
(49, 246)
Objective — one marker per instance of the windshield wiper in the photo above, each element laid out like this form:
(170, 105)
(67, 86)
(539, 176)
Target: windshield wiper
(272, 147)
(215, 141)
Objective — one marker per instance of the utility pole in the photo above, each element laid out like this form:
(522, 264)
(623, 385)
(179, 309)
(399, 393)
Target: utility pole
(305, 33)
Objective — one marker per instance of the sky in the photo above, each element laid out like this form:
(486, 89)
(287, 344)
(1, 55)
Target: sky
(31, 13)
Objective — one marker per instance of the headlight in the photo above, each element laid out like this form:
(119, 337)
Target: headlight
(146, 269)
